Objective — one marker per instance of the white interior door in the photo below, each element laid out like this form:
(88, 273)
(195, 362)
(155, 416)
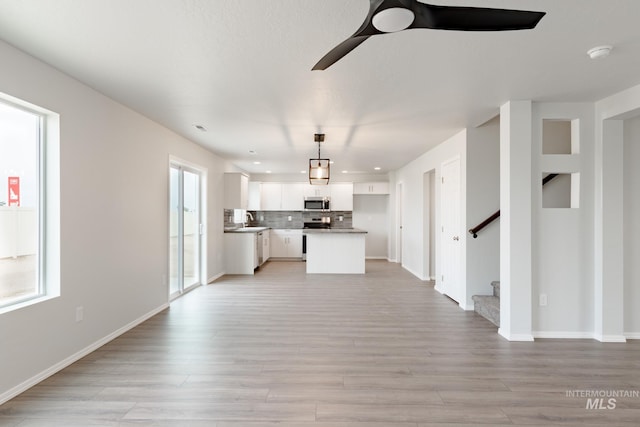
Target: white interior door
(450, 237)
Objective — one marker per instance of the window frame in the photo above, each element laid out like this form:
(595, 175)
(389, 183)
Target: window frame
(44, 288)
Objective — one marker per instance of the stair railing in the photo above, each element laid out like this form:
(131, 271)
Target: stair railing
(475, 230)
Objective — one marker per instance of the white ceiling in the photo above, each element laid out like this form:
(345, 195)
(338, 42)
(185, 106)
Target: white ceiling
(242, 69)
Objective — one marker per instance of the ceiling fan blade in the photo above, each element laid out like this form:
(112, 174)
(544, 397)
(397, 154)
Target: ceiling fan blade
(434, 17)
(339, 51)
(473, 18)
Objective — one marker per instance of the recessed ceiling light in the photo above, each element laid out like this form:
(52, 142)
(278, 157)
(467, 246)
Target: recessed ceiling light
(331, 162)
(377, 168)
(200, 128)
(345, 171)
(256, 163)
(268, 171)
(303, 171)
(599, 52)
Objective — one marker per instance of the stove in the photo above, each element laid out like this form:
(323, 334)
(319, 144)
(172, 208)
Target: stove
(319, 222)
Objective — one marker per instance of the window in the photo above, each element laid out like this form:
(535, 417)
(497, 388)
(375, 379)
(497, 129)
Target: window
(22, 203)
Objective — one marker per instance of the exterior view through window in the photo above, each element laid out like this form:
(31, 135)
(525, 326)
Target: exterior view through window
(20, 142)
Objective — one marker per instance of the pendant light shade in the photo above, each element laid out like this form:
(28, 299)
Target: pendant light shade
(319, 169)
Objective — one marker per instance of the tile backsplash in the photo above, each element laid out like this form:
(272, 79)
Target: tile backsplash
(289, 219)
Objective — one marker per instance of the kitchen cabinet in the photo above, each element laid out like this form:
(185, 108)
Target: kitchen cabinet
(371, 188)
(236, 190)
(240, 253)
(293, 196)
(341, 196)
(275, 196)
(271, 196)
(253, 204)
(286, 243)
(317, 190)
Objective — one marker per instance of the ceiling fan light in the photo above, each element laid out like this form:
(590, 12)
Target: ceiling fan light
(393, 19)
(599, 52)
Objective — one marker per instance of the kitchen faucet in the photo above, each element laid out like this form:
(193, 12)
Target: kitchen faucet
(249, 216)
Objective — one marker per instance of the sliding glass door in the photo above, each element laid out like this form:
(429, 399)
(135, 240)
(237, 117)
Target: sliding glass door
(185, 231)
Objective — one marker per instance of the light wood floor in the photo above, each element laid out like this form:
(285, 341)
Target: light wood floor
(285, 349)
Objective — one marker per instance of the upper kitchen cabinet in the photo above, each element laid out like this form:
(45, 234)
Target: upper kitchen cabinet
(341, 196)
(271, 196)
(275, 196)
(317, 190)
(236, 191)
(293, 196)
(255, 189)
(289, 196)
(371, 188)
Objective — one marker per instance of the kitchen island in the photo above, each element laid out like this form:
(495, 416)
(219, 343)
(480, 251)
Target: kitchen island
(335, 251)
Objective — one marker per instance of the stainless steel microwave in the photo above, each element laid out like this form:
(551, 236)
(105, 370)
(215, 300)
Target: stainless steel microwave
(318, 204)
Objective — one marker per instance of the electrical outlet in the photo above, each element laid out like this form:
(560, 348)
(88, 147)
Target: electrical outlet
(543, 300)
(79, 313)
(289, 218)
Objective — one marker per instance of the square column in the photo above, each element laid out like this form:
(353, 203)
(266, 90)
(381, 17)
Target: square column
(609, 271)
(515, 221)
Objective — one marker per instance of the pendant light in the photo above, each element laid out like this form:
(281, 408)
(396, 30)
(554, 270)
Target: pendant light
(319, 168)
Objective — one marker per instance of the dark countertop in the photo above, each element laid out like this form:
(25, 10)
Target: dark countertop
(246, 229)
(333, 231)
(304, 230)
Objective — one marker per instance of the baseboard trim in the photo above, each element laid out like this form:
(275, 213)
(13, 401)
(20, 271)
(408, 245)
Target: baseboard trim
(24, 386)
(562, 335)
(411, 271)
(377, 257)
(214, 278)
(632, 335)
(515, 337)
(610, 338)
(466, 307)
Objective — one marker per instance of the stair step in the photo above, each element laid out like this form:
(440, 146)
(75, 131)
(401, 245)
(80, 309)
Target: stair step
(496, 288)
(487, 306)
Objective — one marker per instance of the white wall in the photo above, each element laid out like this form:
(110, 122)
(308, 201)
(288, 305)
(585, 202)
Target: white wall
(632, 226)
(370, 212)
(114, 222)
(483, 199)
(562, 238)
(608, 265)
(414, 256)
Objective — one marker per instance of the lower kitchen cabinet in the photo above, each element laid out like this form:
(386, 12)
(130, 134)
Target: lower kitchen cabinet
(286, 243)
(240, 253)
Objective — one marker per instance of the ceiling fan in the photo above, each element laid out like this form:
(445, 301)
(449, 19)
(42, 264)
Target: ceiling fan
(389, 16)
